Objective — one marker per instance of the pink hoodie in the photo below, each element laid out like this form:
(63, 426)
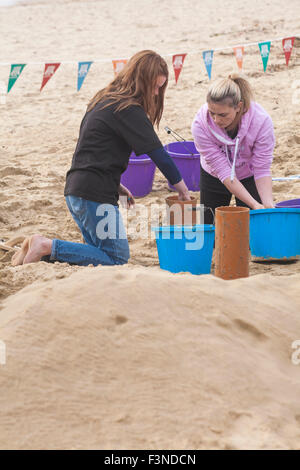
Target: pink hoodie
(250, 153)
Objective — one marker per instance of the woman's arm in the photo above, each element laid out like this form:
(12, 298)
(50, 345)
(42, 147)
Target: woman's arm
(262, 160)
(264, 188)
(236, 188)
(168, 168)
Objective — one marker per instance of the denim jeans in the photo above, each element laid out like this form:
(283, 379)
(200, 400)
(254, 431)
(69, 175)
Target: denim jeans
(103, 231)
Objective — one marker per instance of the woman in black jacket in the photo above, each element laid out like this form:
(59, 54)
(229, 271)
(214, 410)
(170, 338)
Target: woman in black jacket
(119, 120)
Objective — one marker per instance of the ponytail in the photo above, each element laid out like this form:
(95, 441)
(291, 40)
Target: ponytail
(232, 90)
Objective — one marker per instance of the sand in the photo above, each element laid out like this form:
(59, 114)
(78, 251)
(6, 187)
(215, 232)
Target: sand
(133, 357)
(114, 362)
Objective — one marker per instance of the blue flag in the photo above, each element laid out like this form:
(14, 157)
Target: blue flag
(83, 68)
(208, 59)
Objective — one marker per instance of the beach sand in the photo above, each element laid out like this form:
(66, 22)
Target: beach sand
(131, 356)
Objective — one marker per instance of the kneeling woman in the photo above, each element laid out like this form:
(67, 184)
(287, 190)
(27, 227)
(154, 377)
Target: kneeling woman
(235, 138)
(119, 119)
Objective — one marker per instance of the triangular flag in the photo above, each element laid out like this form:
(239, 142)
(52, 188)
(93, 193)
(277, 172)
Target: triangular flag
(287, 44)
(265, 52)
(49, 71)
(83, 68)
(177, 62)
(239, 54)
(15, 72)
(208, 59)
(118, 65)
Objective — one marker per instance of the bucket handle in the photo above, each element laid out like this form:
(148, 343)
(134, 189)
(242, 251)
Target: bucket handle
(205, 209)
(174, 134)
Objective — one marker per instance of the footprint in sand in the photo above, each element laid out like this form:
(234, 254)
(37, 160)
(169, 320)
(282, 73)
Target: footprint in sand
(293, 140)
(251, 329)
(52, 150)
(119, 319)
(10, 170)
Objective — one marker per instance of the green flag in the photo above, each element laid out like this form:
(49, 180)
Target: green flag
(15, 72)
(264, 52)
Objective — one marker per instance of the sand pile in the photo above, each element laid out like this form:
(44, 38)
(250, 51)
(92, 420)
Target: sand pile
(130, 357)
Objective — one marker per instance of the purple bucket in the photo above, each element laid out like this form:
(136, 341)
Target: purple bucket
(293, 203)
(187, 160)
(139, 175)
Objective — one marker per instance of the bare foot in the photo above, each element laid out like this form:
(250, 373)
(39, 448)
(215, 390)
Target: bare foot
(19, 256)
(38, 247)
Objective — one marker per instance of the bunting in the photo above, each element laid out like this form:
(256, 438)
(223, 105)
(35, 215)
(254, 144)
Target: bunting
(287, 44)
(208, 59)
(264, 48)
(15, 72)
(177, 62)
(239, 54)
(49, 71)
(83, 68)
(118, 65)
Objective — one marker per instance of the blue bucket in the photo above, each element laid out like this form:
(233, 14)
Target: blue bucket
(275, 233)
(184, 248)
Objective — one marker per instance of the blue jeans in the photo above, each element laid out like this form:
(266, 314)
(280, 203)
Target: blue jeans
(103, 231)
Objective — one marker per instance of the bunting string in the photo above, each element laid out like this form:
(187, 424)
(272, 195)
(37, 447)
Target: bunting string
(177, 61)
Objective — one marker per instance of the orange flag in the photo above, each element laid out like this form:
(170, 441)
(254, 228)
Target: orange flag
(118, 65)
(239, 53)
(49, 71)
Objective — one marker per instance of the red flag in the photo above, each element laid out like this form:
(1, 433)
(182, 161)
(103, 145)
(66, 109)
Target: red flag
(287, 44)
(239, 53)
(49, 71)
(118, 65)
(177, 61)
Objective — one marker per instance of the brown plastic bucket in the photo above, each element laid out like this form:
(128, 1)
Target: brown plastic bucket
(181, 212)
(232, 242)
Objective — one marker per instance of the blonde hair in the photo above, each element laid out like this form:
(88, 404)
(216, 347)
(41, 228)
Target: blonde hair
(231, 90)
(134, 85)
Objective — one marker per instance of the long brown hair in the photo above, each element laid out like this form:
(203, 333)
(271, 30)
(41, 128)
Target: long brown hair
(134, 85)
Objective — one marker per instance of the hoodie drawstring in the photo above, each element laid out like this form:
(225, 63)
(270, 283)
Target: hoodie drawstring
(228, 142)
(234, 159)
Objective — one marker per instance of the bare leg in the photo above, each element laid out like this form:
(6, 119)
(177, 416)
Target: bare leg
(39, 246)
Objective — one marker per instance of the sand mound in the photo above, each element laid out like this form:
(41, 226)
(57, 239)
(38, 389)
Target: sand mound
(130, 357)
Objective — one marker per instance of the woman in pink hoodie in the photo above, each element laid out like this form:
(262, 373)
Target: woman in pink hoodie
(235, 138)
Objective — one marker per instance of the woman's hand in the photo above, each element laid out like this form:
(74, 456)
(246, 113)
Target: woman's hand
(265, 205)
(183, 192)
(127, 199)
(184, 197)
(269, 205)
(257, 206)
